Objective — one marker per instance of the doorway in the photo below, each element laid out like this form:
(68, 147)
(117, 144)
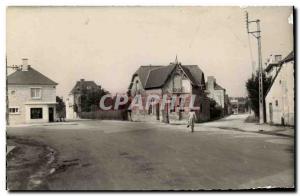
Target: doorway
(51, 114)
(271, 112)
(157, 111)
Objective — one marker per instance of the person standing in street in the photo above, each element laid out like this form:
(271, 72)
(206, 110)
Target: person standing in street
(191, 119)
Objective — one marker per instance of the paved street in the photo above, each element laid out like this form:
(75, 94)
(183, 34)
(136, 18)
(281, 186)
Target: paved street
(119, 155)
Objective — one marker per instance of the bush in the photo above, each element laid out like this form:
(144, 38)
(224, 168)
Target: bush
(215, 110)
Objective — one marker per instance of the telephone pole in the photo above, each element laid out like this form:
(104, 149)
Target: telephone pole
(14, 67)
(257, 35)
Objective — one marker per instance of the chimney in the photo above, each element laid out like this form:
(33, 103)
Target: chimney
(25, 65)
(211, 82)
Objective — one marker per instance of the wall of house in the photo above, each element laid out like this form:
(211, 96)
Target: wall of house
(70, 113)
(281, 97)
(217, 95)
(137, 86)
(144, 115)
(45, 108)
(20, 96)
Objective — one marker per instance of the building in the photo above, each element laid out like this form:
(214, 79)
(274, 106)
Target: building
(31, 96)
(239, 105)
(272, 65)
(74, 100)
(228, 106)
(173, 80)
(280, 96)
(217, 93)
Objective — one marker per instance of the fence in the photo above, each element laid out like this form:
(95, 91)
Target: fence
(105, 115)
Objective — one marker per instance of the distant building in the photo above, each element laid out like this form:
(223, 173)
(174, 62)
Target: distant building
(217, 93)
(272, 65)
(239, 105)
(31, 96)
(280, 97)
(228, 106)
(74, 100)
(172, 80)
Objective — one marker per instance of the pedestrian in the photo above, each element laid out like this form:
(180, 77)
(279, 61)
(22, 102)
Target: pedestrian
(129, 114)
(191, 120)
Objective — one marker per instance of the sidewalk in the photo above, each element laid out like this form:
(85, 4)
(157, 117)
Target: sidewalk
(45, 124)
(237, 123)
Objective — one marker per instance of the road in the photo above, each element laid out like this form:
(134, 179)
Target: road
(119, 155)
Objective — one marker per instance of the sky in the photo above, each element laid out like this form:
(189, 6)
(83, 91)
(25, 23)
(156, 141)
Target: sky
(108, 44)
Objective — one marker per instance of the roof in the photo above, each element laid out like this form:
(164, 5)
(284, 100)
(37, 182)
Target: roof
(289, 57)
(270, 66)
(156, 76)
(217, 86)
(82, 84)
(29, 77)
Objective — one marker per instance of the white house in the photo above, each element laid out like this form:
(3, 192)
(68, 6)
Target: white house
(216, 92)
(280, 97)
(73, 102)
(31, 96)
(272, 65)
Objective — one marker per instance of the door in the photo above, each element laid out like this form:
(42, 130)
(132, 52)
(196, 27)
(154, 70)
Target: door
(51, 114)
(157, 111)
(271, 112)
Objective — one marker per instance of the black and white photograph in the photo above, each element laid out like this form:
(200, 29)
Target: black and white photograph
(150, 98)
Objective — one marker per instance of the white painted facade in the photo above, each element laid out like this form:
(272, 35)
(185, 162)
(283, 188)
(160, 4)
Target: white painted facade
(21, 103)
(70, 113)
(216, 94)
(280, 98)
(272, 65)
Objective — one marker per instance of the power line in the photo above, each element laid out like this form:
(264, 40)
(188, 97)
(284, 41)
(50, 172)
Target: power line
(251, 56)
(257, 35)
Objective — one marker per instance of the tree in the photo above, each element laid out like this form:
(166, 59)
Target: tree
(215, 109)
(60, 108)
(252, 86)
(90, 99)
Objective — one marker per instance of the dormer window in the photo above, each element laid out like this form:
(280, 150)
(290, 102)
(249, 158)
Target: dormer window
(36, 93)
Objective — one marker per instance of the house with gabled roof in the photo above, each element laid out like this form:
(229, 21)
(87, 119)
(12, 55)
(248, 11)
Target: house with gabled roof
(217, 93)
(272, 65)
(74, 100)
(280, 97)
(173, 80)
(31, 96)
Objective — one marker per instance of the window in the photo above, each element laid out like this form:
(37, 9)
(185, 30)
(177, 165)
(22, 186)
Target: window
(36, 93)
(277, 58)
(186, 86)
(150, 110)
(14, 110)
(177, 83)
(276, 102)
(137, 90)
(181, 104)
(36, 113)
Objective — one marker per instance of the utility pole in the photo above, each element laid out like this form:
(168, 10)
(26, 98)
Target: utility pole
(257, 35)
(14, 67)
